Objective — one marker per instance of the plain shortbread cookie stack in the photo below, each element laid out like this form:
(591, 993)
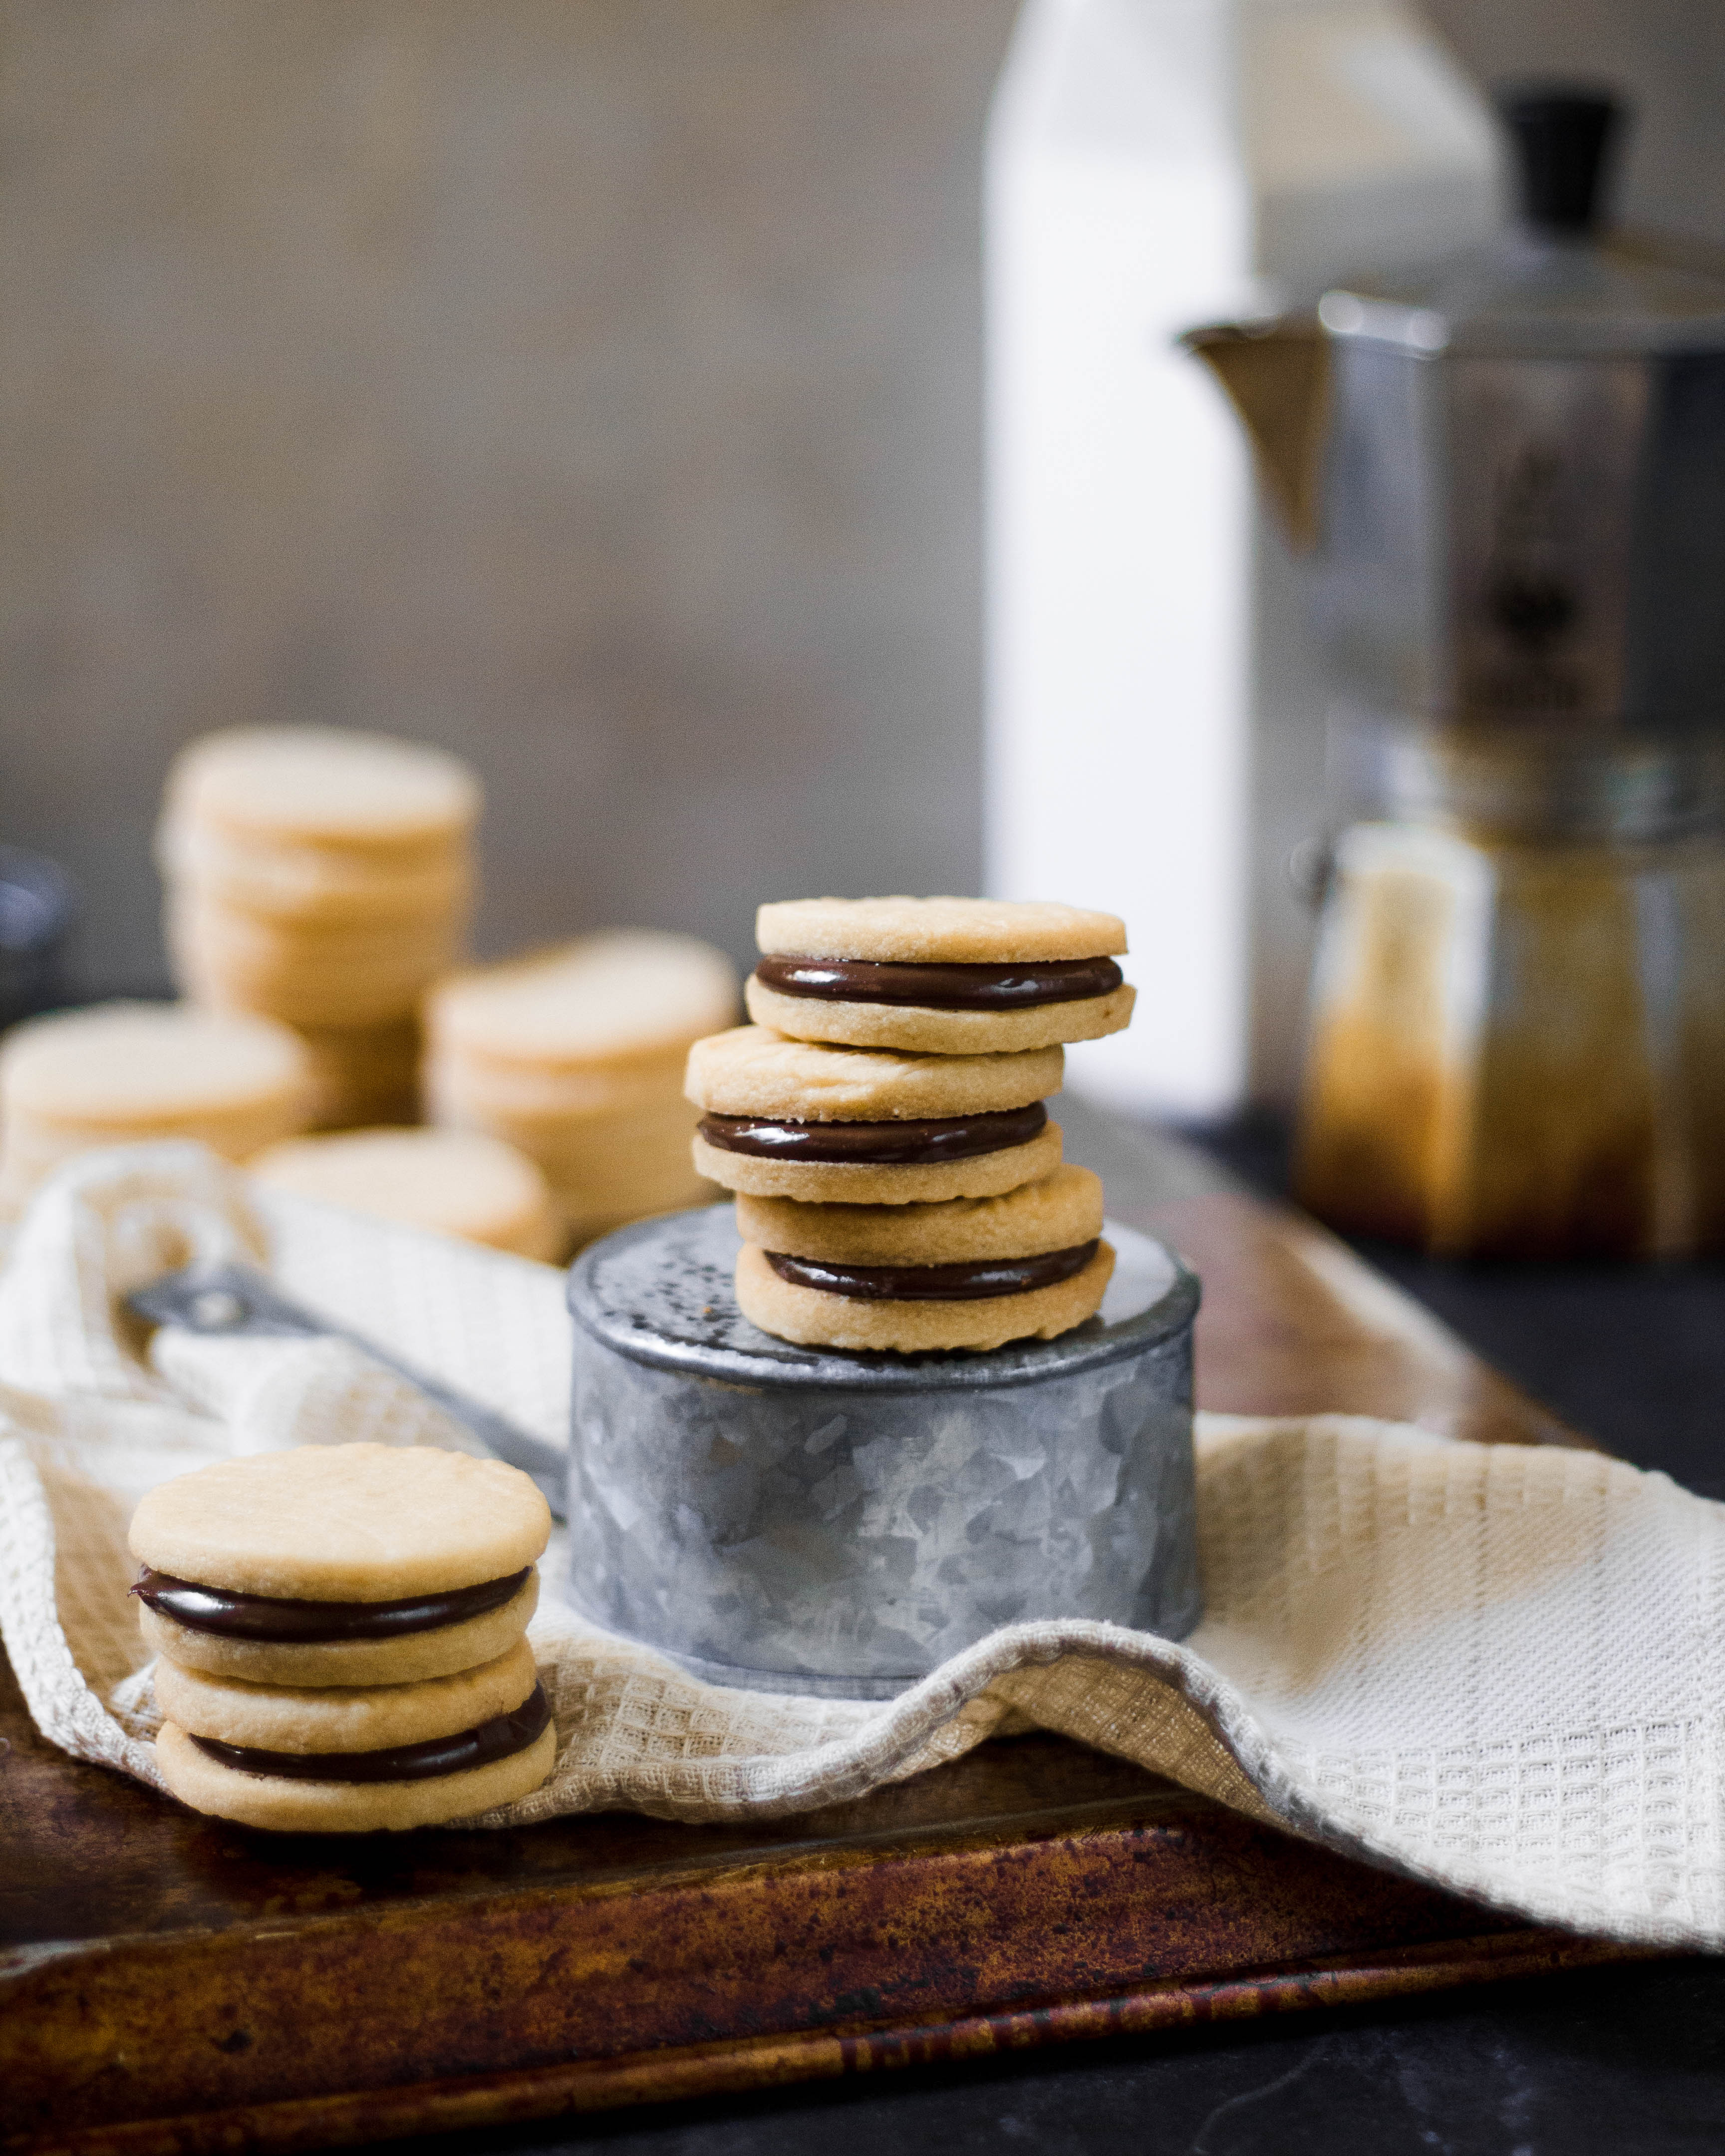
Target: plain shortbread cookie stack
(898, 1182)
(575, 1055)
(341, 1635)
(122, 1073)
(323, 878)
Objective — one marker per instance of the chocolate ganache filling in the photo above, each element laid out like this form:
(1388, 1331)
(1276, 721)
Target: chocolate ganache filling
(969, 1281)
(908, 1144)
(942, 987)
(499, 1738)
(284, 1622)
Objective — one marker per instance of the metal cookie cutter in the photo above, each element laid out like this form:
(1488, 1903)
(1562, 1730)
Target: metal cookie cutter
(794, 1520)
(234, 1300)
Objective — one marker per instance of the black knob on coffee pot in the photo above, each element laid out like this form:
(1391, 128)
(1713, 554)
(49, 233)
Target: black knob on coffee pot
(1562, 139)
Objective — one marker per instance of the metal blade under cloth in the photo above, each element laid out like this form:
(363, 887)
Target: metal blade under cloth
(234, 1302)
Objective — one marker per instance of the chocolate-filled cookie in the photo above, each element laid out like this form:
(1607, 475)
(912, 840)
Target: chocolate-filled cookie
(348, 1564)
(939, 976)
(335, 1760)
(803, 1120)
(970, 1274)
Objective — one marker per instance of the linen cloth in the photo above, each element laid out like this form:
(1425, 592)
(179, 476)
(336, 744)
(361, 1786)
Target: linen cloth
(1497, 1668)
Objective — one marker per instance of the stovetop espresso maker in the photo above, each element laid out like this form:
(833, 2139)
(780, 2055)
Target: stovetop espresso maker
(1513, 468)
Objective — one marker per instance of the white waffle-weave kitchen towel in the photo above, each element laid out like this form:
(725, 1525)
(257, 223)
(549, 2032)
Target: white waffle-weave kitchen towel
(1500, 1669)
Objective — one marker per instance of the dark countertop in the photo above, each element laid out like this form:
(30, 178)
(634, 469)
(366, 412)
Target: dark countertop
(1627, 2059)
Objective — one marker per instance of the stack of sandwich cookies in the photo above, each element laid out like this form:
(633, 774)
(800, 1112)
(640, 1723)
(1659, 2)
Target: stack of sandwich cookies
(322, 878)
(966, 1272)
(574, 1055)
(899, 1184)
(121, 1074)
(939, 976)
(340, 1631)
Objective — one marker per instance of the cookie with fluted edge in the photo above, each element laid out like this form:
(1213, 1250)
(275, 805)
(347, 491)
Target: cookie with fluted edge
(813, 1318)
(1057, 1213)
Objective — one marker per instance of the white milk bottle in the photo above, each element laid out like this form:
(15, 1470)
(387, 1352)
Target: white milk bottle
(1156, 701)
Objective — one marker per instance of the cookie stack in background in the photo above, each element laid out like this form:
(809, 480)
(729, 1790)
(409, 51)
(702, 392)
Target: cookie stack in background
(899, 1184)
(575, 1055)
(341, 1636)
(324, 879)
(122, 1073)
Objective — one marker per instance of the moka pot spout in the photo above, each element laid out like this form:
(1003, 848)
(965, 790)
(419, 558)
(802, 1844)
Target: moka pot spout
(1276, 373)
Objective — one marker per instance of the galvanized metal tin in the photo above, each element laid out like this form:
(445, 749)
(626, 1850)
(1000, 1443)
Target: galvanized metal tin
(793, 1520)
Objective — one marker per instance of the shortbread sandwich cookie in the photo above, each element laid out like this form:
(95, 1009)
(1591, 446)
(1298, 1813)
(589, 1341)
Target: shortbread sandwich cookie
(783, 1118)
(349, 1564)
(940, 976)
(459, 1183)
(967, 1274)
(355, 1758)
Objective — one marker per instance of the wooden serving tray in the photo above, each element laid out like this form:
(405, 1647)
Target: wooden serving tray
(173, 1984)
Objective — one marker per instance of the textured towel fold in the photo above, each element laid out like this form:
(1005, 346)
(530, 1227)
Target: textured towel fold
(1495, 1668)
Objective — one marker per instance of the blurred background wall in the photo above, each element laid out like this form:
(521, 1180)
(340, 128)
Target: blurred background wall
(592, 386)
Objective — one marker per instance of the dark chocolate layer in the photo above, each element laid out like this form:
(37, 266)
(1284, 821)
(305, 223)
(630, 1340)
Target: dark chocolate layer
(968, 1282)
(293, 1624)
(499, 1738)
(891, 1145)
(942, 987)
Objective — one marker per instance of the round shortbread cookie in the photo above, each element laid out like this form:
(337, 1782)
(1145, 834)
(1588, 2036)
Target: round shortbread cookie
(1059, 1213)
(627, 994)
(410, 1659)
(859, 1182)
(753, 1071)
(32, 1150)
(926, 930)
(259, 945)
(310, 999)
(321, 782)
(312, 885)
(343, 1523)
(814, 1319)
(295, 1807)
(459, 1183)
(148, 1067)
(922, 1029)
(628, 1087)
(343, 1717)
(650, 1124)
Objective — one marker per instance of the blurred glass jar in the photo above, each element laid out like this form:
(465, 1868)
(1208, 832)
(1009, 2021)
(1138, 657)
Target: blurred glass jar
(39, 904)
